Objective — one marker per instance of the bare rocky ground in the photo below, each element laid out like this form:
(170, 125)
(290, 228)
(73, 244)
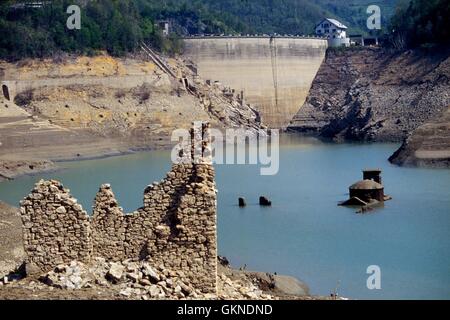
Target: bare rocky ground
(137, 280)
(428, 145)
(373, 95)
(85, 107)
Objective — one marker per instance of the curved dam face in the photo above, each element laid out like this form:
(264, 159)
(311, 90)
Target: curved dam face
(275, 74)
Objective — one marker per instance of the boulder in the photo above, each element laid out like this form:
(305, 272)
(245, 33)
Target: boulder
(290, 286)
(31, 269)
(151, 273)
(263, 201)
(115, 272)
(61, 210)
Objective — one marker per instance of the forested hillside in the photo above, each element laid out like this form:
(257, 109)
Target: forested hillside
(119, 25)
(115, 26)
(263, 16)
(423, 23)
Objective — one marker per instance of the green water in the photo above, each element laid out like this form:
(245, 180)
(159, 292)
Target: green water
(305, 233)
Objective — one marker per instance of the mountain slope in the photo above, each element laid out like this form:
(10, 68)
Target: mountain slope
(119, 26)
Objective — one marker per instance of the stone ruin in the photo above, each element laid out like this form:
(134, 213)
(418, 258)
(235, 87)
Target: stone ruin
(176, 227)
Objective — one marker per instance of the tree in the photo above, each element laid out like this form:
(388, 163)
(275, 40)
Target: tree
(422, 23)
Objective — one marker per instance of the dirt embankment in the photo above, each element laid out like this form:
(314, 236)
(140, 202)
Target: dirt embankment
(83, 107)
(428, 145)
(13, 168)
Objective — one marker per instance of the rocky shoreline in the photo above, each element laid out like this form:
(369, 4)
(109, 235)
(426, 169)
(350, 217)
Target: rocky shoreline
(11, 169)
(372, 95)
(427, 146)
(133, 280)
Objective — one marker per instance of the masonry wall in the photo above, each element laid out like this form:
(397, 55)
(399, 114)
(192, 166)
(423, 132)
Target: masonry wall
(176, 227)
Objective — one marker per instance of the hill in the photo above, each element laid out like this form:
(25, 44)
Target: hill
(119, 26)
(263, 16)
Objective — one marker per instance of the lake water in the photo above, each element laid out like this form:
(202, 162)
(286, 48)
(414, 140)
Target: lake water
(304, 234)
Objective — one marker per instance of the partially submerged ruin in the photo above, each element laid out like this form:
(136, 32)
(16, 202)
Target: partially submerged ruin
(367, 192)
(176, 227)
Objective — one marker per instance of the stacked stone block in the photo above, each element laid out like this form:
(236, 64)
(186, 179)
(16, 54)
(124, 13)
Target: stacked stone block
(108, 225)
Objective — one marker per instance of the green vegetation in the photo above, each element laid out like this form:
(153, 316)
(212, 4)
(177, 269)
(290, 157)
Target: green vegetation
(112, 25)
(421, 23)
(262, 16)
(118, 26)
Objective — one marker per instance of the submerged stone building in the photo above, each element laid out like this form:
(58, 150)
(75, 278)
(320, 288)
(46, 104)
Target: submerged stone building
(176, 227)
(368, 191)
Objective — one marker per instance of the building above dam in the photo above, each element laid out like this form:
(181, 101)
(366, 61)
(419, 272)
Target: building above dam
(274, 73)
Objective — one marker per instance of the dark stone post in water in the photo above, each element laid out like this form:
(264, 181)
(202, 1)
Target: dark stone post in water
(263, 201)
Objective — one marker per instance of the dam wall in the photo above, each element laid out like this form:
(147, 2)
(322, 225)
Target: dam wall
(274, 73)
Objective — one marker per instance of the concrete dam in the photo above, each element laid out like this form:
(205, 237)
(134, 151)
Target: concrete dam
(274, 73)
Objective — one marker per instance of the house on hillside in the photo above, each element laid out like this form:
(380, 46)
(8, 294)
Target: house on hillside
(334, 31)
(165, 26)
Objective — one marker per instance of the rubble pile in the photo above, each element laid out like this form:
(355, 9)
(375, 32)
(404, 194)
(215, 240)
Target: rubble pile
(130, 279)
(239, 289)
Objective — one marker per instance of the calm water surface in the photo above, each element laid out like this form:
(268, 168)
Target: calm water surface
(304, 233)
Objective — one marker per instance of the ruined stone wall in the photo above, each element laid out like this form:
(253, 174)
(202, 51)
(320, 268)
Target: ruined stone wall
(175, 228)
(109, 223)
(275, 74)
(56, 229)
(185, 237)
